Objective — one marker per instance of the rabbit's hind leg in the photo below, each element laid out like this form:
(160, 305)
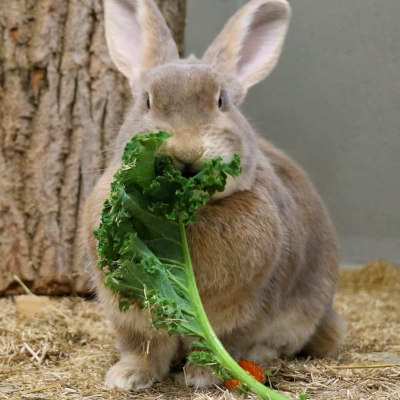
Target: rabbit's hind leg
(327, 337)
(268, 338)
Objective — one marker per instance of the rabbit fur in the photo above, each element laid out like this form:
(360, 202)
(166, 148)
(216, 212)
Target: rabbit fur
(264, 250)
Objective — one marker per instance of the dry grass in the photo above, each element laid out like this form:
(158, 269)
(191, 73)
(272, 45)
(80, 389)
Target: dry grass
(65, 353)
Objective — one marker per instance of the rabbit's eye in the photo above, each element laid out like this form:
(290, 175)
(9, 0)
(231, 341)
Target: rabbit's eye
(148, 102)
(222, 100)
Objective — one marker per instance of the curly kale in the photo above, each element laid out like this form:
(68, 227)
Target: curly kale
(144, 253)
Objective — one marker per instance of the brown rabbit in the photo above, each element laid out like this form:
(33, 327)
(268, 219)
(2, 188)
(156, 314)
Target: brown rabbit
(264, 250)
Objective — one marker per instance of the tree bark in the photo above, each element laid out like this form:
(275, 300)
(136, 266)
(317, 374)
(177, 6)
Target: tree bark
(61, 104)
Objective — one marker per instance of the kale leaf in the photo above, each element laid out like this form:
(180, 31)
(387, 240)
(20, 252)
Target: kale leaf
(144, 252)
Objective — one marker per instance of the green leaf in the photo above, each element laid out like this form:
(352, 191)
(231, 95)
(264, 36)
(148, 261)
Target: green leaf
(144, 252)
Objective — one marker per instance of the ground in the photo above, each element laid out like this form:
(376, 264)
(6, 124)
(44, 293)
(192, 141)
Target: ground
(65, 353)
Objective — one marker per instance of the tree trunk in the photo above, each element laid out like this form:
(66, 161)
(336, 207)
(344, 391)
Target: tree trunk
(61, 104)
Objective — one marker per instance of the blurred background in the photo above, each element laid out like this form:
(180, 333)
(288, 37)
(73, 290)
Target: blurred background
(333, 104)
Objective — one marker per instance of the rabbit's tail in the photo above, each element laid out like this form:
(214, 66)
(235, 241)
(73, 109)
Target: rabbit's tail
(328, 336)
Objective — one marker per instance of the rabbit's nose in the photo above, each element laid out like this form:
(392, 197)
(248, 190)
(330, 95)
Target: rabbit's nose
(186, 152)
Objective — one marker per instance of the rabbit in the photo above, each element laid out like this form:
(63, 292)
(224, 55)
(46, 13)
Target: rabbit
(264, 250)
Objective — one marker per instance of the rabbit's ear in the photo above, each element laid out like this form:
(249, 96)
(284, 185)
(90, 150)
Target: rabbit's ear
(251, 42)
(138, 37)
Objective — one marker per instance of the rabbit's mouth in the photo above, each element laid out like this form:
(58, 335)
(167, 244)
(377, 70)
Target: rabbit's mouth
(189, 171)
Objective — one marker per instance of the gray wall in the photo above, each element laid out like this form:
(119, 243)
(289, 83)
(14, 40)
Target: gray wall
(333, 104)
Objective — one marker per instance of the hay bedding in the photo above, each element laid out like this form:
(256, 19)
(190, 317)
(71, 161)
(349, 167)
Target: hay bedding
(64, 353)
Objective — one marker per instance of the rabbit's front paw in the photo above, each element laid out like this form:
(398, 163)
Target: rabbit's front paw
(128, 374)
(198, 377)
